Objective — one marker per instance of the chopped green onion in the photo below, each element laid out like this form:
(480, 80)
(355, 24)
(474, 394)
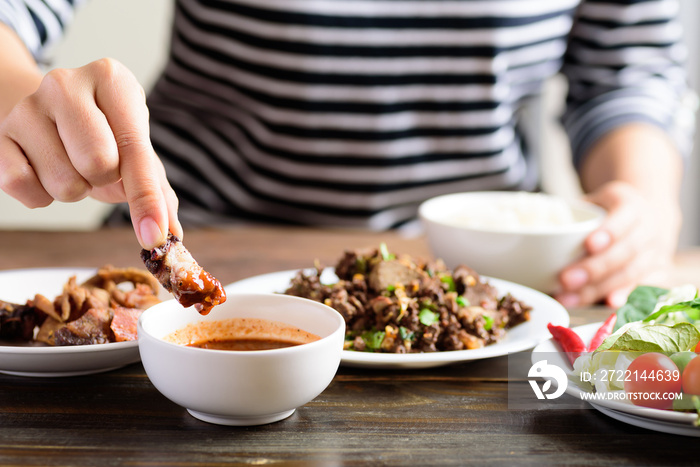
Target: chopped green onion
(406, 334)
(428, 317)
(390, 288)
(461, 301)
(488, 322)
(373, 339)
(447, 279)
(361, 265)
(386, 256)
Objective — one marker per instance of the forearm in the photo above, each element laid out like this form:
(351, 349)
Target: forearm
(19, 74)
(641, 155)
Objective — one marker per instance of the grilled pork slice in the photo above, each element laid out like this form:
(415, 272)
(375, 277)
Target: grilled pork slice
(17, 321)
(124, 323)
(179, 273)
(91, 328)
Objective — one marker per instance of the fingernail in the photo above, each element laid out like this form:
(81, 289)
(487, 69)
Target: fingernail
(599, 240)
(574, 278)
(569, 300)
(179, 230)
(618, 298)
(150, 233)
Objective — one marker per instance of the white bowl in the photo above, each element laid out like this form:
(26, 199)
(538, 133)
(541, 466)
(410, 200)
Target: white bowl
(531, 255)
(242, 387)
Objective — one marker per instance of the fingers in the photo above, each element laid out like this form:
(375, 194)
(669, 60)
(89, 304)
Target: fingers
(613, 288)
(623, 206)
(172, 203)
(618, 257)
(85, 132)
(17, 177)
(45, 156)
(82, 126)
(632, 243)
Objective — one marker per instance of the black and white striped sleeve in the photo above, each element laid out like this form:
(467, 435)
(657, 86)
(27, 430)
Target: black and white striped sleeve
(625, 63)
(39, 23)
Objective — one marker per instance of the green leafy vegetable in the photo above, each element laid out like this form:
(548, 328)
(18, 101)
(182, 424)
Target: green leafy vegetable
(686, 403)
(373, 339)
(361, 265)
(447, 279)
(488, 322)
(653, 338)
(406, 334)
(428, 317)
(691, 310)
(640, 304)
(384, 251)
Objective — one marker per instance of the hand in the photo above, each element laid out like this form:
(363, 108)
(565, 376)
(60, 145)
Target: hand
(85, 132)
(634, 245)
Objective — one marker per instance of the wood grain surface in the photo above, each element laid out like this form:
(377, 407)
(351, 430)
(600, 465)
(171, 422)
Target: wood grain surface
(454, 415)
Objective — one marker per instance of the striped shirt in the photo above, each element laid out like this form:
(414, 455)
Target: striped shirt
(352, 112)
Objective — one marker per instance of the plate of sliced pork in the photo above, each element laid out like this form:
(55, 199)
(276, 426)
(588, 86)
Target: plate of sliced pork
(72, 321)
(68, 322)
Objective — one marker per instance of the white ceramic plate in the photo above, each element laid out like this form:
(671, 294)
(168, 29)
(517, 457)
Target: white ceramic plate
(36, 359)
(666, 421)
(522, 337)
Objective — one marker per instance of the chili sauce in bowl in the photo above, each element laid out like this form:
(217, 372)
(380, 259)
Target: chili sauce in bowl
(219, 367)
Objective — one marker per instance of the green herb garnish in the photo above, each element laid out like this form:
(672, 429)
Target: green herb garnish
(406, 334)
(361, 265)
(691, 310)
(461, 301)
(640, 304)
(384, 251)
(373, 339)
(447, 279)
(428, 317)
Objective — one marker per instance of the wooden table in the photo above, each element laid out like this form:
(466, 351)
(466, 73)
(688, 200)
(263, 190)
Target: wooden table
(451, 415)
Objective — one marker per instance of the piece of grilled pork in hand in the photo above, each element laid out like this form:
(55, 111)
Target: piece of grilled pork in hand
(179, 273)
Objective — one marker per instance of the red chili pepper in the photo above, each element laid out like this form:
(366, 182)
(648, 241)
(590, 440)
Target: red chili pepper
(603, 332)
(569, 341)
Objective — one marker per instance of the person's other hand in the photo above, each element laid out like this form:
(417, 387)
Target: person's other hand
(634, 245)
(84, 132)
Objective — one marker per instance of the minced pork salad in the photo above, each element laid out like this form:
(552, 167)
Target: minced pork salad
(398, 304)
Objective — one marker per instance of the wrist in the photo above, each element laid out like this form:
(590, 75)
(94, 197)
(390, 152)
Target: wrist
(19, 74)
(640, 155)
